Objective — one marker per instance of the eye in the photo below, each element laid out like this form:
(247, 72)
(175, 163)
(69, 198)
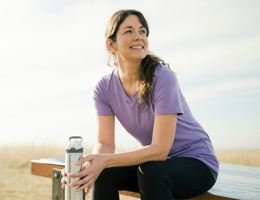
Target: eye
(128, 31)
(143, 31)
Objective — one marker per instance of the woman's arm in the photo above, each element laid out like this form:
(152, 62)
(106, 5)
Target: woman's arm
(105, 144)
(106, 135)
(163, 137)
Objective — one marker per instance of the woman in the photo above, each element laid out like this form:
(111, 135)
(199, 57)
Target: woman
(176, 159)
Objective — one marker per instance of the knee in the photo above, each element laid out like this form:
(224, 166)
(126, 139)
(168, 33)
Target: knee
(150, 171)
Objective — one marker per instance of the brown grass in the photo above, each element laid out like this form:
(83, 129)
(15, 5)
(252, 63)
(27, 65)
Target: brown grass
(16, 182)
(240, 157)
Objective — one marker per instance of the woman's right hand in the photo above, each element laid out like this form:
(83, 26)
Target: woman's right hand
(63, 180)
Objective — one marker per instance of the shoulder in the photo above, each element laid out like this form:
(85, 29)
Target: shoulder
(160, 69)
(103, 86)
(105, 80)
(163, 73)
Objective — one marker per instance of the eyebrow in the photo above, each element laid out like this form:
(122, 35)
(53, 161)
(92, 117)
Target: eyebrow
(132, 27)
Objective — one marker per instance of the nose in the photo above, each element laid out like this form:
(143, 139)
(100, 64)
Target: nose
(137, 36)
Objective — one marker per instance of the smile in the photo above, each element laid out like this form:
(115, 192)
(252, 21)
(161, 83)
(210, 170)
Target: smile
(136, 47)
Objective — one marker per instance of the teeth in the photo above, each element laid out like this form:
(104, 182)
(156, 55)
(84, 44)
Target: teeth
(137, 47)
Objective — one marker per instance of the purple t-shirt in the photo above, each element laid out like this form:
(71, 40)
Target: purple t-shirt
(165, 98)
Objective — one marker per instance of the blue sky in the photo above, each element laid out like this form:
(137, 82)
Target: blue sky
(52, 54)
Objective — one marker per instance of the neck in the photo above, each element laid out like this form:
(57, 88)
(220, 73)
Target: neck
(129, 72)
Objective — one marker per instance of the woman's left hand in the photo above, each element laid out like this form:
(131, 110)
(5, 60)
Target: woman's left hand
(93, 165)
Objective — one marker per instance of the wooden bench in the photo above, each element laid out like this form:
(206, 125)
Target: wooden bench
(234, 181)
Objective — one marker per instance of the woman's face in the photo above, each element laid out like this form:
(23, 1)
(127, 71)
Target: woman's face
(131, 40)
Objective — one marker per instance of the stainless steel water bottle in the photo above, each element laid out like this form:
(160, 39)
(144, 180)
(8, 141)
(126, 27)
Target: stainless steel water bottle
(74, 151)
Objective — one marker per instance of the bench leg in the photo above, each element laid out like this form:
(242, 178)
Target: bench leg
(57, 191)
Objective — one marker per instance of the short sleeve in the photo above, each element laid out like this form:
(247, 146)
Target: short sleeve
(167, 95)
(101, 101)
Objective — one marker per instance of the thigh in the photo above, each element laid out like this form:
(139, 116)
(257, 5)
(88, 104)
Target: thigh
(113, 179)
(176, 177)
(191, 178)
(125, 178)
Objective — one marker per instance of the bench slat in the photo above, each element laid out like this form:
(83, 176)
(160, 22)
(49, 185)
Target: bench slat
(44, 170)
(238, 182)
(201, 197)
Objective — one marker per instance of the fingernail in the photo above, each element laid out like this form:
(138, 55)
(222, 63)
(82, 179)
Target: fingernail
(78, 163)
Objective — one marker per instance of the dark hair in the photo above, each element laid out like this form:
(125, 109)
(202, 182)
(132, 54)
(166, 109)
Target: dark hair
(149, 63)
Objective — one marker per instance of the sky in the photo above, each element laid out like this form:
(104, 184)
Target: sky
(52, 53)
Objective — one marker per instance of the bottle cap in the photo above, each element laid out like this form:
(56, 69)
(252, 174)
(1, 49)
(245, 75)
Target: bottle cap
(75, 145)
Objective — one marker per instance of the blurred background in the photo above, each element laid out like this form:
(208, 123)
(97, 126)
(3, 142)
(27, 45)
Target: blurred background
(52, 53)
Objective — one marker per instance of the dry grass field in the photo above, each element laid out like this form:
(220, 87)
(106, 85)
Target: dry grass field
(16, 182)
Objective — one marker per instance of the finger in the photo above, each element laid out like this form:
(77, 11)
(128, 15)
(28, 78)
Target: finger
(87, 185)
(88, 190)
(63, 173)
(82, 173)
(81, 181)
(84, 181)
(84, 159)
(86, 164)
(63, 180)
(78, 174)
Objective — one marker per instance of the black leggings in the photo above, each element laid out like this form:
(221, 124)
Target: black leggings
(175, 178)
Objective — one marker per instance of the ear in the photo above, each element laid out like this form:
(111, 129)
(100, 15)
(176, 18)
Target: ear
(110, 45)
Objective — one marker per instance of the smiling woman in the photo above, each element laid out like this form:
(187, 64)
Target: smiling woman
(177, 159)
(132, 42)
(134, 29)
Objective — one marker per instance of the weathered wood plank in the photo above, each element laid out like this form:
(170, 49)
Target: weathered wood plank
(44, 170)
(130, 194)
(207, 196)
(201, 197)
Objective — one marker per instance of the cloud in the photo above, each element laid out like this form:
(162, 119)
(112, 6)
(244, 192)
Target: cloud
(209, 37)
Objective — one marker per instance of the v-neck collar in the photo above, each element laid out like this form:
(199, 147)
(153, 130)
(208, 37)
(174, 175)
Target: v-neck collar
(128, 100)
